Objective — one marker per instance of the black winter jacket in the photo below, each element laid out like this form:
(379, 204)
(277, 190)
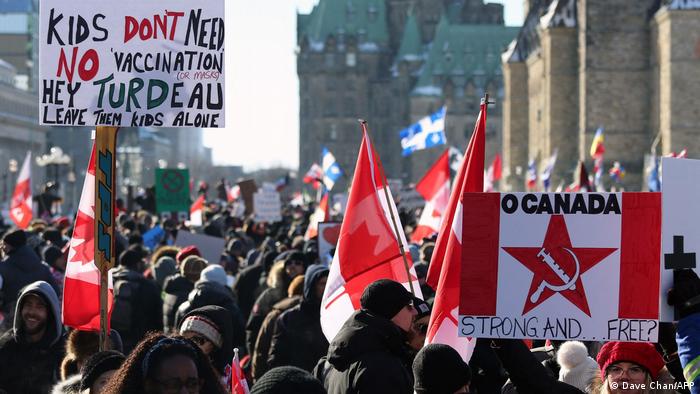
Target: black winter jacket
(176, 288)
(369, 355)
(22, 267)
(210, 293)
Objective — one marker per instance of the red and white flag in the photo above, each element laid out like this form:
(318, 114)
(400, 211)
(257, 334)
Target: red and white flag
(319, 215)
(21, 205)
(581, 266)
(232, 193)
(239, 384)
(81, 289)
(493, 174)
(435, 189)
(367, 248)
(314, 175)
(197, 211)
(445, 265)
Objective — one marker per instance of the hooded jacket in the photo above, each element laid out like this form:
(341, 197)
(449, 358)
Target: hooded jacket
(33, 367)
(368, 355)
(267, 330)
(221, 358)
(211, 293)
(22, 267)
(175, 290)
(298, 339)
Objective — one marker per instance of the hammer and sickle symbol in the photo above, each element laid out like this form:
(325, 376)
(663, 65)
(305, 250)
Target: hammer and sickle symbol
(569, 284)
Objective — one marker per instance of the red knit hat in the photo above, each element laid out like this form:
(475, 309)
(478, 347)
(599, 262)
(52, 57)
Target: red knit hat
(642, 354)
(187, 251)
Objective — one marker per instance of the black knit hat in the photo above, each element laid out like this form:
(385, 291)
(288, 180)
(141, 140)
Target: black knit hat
(50, 254)
(98, 364)
(439, 369)
(15, 238)
(385, 298)
(288, 380)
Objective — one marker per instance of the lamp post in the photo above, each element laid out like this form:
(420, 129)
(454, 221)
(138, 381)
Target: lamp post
(54, 158)
(7, 178)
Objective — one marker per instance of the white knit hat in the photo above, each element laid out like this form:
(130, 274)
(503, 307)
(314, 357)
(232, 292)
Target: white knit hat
(577, 368)
(204, 327)
(214, 273)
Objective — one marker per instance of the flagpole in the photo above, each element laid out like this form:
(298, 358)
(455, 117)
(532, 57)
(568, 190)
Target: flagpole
(393, 217)
(105, 190)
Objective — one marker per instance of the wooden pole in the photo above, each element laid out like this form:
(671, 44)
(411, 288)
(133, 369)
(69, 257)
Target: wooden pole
(105, 191)
(391, 213)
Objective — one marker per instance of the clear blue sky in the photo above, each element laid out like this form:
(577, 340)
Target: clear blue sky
(262, 89)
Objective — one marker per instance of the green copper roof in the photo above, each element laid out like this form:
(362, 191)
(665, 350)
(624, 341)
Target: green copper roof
(411, 44)
(463, 53)
(364, 18)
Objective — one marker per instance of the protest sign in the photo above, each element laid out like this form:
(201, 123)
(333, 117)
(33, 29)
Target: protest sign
(328, 233)
(131, 63)
(172, 190)
(680, 232)
(579, 266)
(248, 188)
(210, 247)
(267, 204)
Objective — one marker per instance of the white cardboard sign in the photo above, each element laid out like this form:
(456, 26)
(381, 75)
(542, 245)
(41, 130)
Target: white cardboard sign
(267, 204)
(131, 63)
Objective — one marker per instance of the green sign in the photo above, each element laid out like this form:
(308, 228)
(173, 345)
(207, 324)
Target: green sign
(172, 190)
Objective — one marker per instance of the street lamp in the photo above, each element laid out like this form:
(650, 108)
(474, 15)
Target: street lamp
(7, 177)
(54, 158)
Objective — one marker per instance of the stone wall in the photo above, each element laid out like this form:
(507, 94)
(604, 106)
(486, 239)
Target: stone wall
(515, 124)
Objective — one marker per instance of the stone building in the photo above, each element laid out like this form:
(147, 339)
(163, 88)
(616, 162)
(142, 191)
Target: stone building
(393, 62)
(630, 67)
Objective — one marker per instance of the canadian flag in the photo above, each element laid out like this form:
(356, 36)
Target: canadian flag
(444, 271)
(367, 245)
(319, 215)
(239, 384)
(81, 289)
(232, 193)
(21, 206)
(314, 176)
(493, 174)
(197, 211)
(435, 188)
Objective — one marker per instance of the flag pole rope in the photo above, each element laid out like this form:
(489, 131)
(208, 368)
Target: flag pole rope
(391, 210)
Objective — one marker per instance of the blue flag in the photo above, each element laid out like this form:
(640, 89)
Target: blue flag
(331, 169)
(654, 180)
(428, 132)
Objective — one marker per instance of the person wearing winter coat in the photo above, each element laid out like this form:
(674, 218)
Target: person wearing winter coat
(277, 282)
(249, 280)
(439, 369)
(20, 267)
(177, 287)
(211, 328)
(31, 353)
(267, 330)
(298, 339)
(211, 289)
(137, 307)
(369, 354)
(685, 297)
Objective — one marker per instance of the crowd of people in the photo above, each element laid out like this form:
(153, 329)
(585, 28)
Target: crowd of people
(177, 318)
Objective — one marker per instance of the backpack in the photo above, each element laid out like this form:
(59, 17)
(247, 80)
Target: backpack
(124, 305)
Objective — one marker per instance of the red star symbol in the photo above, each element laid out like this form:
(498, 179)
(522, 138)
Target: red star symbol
(556, 243)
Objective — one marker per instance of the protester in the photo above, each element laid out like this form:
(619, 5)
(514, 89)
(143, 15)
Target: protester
(419, 328)
(137, 307)
(165, 364)
(163, 268)
(369, 354)
(177, 287)
(298, 339)
(248, 281)
(267, 330)
(20, 267)
(98, 370)
(31, 353)
(577, 368)
(211, 289)
(287, 380)
(211, 328)
(439, 369)
(277, 283)
(629, 363)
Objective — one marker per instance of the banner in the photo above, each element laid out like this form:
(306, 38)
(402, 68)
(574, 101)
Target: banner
(210, 247)
(131, 63)
(172, 190)
(328, 233)
(561, 266)
(681, 235)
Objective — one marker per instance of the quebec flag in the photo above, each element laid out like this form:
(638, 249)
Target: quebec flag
(428, 132)
(331, 169)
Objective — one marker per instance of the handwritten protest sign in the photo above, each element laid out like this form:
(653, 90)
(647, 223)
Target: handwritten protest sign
(132, 63)
(267, 204)
(561, 266)
(680, 242)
